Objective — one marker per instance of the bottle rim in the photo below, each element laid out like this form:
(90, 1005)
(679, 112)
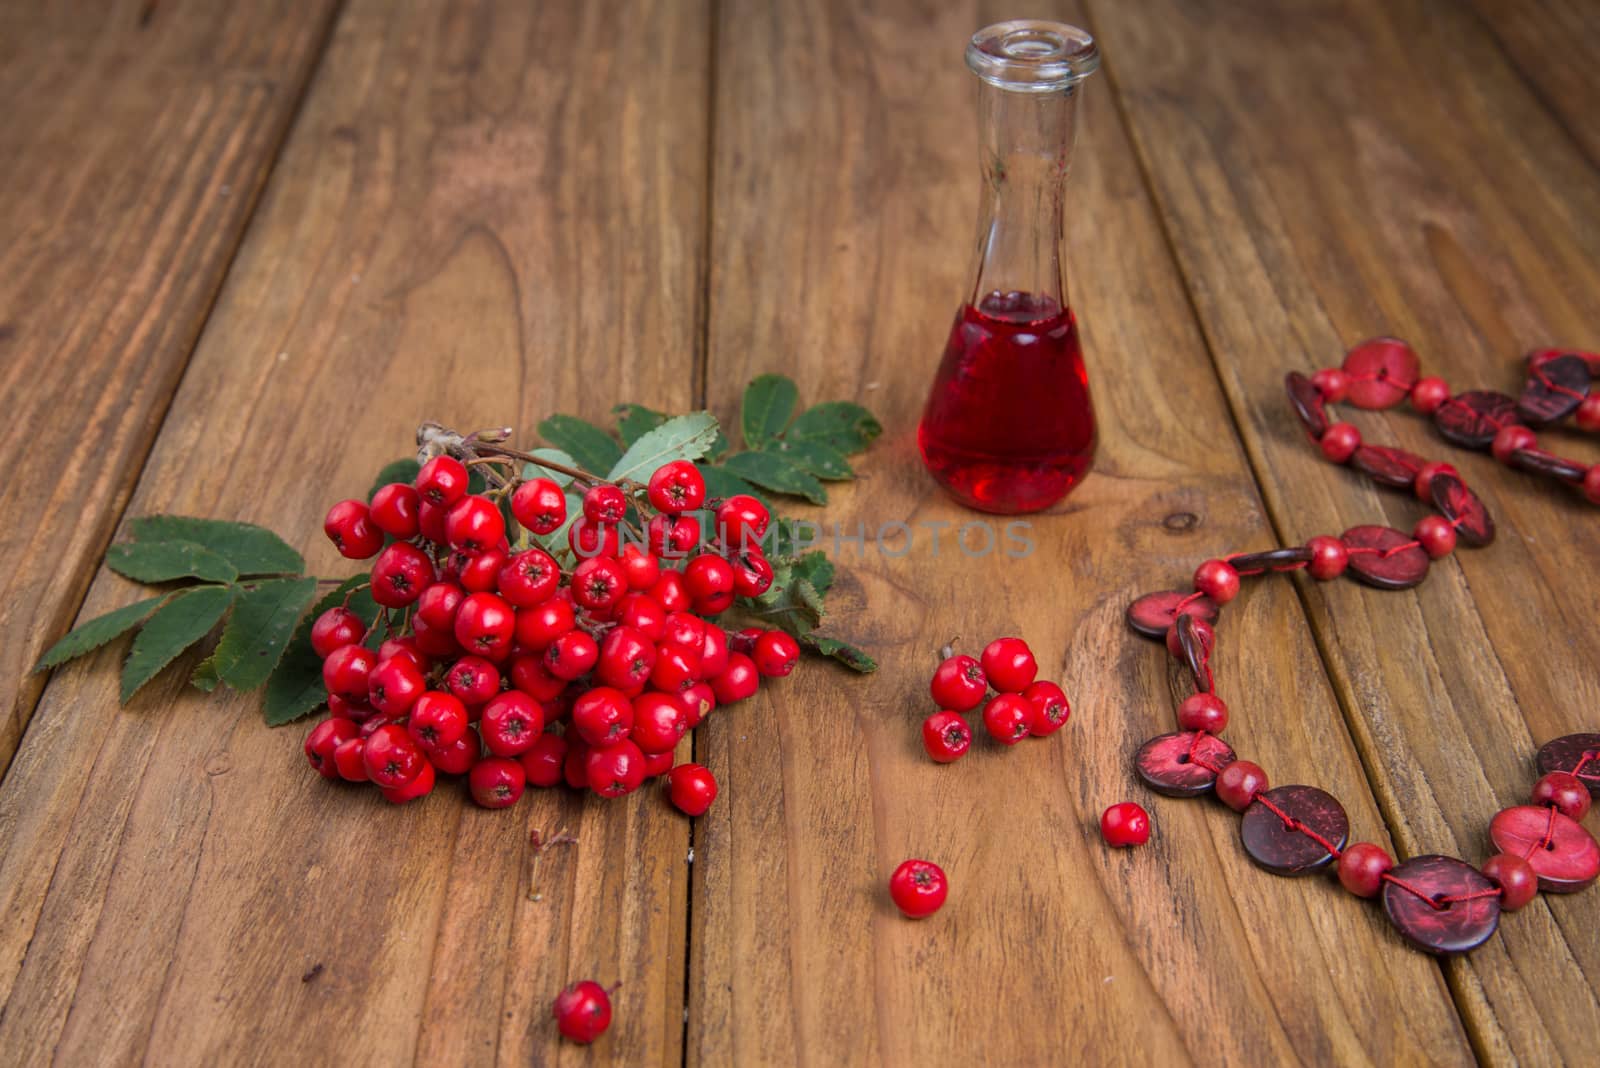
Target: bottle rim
(1032, 55)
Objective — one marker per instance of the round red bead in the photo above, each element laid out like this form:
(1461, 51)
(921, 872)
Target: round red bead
(1362, 867)
(1238, 784)
(1329, 558)
(1437, 535)
(1515, 877)
(1588, 415)
(1332, 383)
(1203, 712)
(1565, 791)
(1217, 580)
(1509, 439)
(1340, 442)
(1428, 394)
(1591, 485)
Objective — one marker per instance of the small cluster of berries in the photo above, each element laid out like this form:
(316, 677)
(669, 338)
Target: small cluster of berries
(1020, 708)
(512, 672)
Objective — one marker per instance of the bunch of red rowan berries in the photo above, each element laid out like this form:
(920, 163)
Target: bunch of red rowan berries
(1022, 706)
(502, 666)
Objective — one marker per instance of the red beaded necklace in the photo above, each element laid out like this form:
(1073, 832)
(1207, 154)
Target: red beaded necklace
(1437, 903)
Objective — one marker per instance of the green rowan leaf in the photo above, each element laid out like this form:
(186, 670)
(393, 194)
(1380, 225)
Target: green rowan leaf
(90, 636)
(768, 404)
(634, 421)
(560, 478)
(815, 457)
(845, 426)
(259, 629)
(176, 625)
(776, 473)
(163, 561)
(590, 446)
(842, 651)
(722, 483)
(251, 549)
(685, 437)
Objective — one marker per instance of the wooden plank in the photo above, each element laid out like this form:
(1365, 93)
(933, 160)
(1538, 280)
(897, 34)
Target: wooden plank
(1555, 46)
(135, 139)
(485, 213)
(844, 186)
(1328, 174)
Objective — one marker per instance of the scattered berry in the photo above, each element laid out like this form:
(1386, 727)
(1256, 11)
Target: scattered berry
(918, 888)
(1050, 708)
(1007, 717)
(583, 1012)
(959, 684)
(1009, 665)
(692, 788)
(946, 736)
(1125, 824)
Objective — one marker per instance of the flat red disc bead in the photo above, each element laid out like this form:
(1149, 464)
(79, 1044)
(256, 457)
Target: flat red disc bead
(1271, 559)
(1382, 372)
(1286, 850)
(1166, 766)
(1386, 466)
(1463, 508)
(1554, 390)
(1453, 928)
(1563, 854)
(1472, 419)
(1195, 645)
(1400, 571)
(1153, 614)
(1540, 462)
(1308, 404)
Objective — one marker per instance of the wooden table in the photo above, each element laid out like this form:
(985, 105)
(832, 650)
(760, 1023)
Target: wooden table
(244, 248)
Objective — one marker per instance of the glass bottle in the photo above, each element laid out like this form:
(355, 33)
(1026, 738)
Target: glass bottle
(1008, 425)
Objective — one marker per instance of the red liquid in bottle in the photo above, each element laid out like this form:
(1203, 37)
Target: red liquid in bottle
(1009, 427)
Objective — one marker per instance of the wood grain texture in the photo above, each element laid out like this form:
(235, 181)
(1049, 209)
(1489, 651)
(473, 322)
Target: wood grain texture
(483, 210)
(843, 191)
(1329, 173)
(134, 146)
(1555, 46)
